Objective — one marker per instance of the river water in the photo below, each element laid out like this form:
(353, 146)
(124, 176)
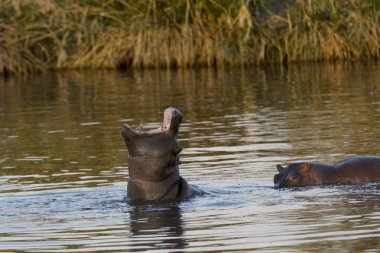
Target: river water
(64, 174)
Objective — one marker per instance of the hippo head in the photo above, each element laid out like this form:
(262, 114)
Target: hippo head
(296, 174)
(153, 155)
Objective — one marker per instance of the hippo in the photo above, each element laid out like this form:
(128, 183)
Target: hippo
(352, 170)
(153, 161)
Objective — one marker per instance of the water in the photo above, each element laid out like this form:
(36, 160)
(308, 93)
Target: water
(64, 173)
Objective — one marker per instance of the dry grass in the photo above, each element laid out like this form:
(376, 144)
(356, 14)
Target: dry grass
(38, 35)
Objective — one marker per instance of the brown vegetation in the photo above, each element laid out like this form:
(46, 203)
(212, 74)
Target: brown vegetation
(38, 35)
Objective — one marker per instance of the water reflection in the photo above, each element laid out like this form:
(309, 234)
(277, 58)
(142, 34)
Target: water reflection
(61, 158)
(345, 218)
(157, 227)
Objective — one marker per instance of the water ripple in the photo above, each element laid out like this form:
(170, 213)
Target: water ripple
(64, 171)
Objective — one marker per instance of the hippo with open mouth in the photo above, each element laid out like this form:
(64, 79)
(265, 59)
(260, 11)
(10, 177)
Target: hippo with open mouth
(353, 170)
(153, 161)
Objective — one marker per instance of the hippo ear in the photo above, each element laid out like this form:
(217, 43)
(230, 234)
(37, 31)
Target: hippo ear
(279, 168)
(305, 167)
(127, 132)
(172, 120)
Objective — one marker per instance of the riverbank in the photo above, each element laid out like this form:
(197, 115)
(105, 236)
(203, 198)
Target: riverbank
(41, 35)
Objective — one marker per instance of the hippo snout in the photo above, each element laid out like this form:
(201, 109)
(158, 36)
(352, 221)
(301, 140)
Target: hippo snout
(279, 185)
(279, 181)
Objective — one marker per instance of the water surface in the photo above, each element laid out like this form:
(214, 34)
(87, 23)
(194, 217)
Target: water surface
(63, 165)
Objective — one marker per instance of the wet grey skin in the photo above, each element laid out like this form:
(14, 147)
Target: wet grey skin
(153, 161)
(354, 170)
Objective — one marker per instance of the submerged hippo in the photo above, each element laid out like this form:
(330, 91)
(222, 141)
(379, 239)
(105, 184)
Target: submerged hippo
(349, 171)
(153, 161)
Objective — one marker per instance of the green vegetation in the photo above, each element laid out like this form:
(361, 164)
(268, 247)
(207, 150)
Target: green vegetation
(38, 35)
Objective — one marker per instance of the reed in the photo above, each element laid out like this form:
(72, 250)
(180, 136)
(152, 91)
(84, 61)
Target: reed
(40, 35)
